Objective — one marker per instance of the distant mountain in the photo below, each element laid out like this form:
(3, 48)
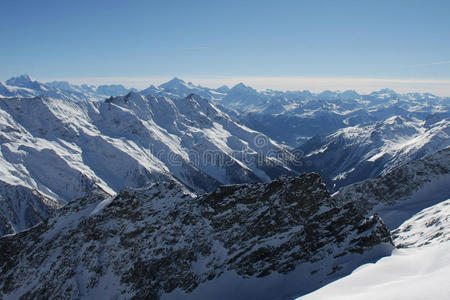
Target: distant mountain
(241, 95)
(25, 81)
(25, 86)
(295, 121)
(177, 88)
(22, 86)
(288, 117)
(260, 240)
(113, 90)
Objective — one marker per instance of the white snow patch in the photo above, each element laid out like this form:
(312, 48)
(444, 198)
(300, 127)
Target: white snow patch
(413, 274)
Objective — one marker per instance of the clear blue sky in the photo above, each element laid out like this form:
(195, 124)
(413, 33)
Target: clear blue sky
(85, 39)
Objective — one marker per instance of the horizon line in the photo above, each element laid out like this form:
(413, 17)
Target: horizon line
(439, 87)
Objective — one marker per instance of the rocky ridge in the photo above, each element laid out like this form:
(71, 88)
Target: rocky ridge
(163, 241)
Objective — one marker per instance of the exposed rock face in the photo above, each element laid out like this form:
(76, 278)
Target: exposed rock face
(162, 241)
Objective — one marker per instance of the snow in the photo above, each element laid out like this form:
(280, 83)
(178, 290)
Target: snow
(428, 227)
(128, 141)
(411, 273)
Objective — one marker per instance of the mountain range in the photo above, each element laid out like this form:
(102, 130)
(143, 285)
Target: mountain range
(60, 149)
(182, 191)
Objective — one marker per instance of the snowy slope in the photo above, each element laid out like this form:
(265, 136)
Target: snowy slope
(419, 269)
(409, 274)
(431, 226)
(261, 240)
(414, 201)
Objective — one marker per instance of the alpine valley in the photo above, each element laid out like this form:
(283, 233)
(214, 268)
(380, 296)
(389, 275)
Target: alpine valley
(180, 191)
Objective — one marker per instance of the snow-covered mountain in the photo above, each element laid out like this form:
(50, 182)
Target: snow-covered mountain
(293, 117)
(178, 88)
(113, 90)
(290, 117)
(261, 240)
(25, 86)
(63, 148)
(359, 152)
(241, 95)
(22, 86)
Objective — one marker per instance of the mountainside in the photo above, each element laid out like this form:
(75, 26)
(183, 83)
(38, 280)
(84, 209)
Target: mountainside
(402, 192)
(359, 152)
(430, 226)
(260, 240)
(63, 148)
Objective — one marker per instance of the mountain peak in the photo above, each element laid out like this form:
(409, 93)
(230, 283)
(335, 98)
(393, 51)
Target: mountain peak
(20, 80)
(240, 85)
(173, 83)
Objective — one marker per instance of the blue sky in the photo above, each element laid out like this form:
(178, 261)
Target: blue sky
(227, 40)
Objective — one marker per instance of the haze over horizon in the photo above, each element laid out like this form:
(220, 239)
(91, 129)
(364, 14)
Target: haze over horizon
(315, 85)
